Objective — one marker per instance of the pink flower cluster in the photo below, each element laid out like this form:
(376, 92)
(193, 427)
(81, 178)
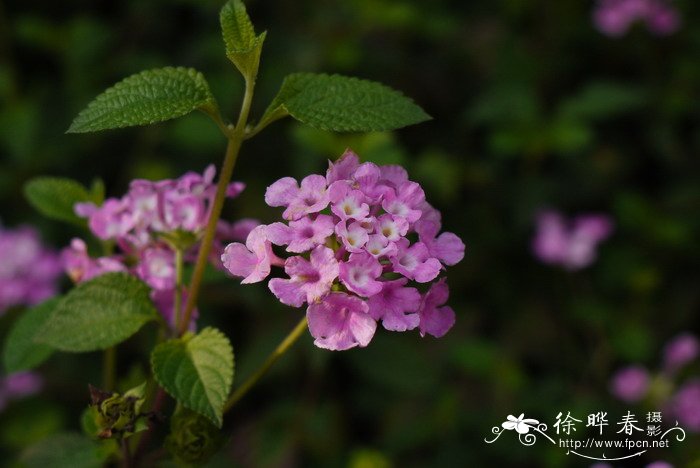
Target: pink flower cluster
(570, 244)
(634, 383)
(145, 224)
(615, 17)
(29, 271)
(356, 236)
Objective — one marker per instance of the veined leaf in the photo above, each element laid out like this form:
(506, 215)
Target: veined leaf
(98, 314)
(55, 197)
(197, 371)
(21, 352)
(343, 104)
(145, 98)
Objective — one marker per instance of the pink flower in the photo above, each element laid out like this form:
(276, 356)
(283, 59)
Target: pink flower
(415, 262)
(340, 322)
(434, 319)
(685, 405)
(405, 202)
(301, 235)
(447, 247)
(570, 245)
(253, 260)
(391, 228)
(344, 168)
(615, 17)
(379, 246)
(630, 384)
(396, 306)
(309, 281)
(29, 271)
(79, 266)
(680, 351)
(311, 197)
(112, 220)
(358, 242)
(157, 267)
(354, 237)
(346, 202)
(359, 274)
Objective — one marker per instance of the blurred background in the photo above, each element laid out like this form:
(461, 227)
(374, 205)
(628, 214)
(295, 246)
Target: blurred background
(534, 107)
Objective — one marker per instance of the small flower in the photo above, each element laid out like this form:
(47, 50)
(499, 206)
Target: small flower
(680, 351)
(301, 235)
(157, 267)
(615, 17)
(630, 384)
(447, 247)
(29, 271)
(415, 262)
(521, 425)
(396, 306)
(340, 322)
(570, 245)
(311, 197)
(309, 280)
(251, 261)
(359, 274)
(405, 201)
(434, 319)
(685, 405)
(353, 236)
(346, 202)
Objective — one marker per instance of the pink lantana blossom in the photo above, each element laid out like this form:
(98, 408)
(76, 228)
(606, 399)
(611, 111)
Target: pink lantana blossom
(301, 235)
(148, 224)
(253, 260)
(340, 322)
(311, 197)
(359, 274)
(29, 271)
(372, 237)
(396, 306)
(434, 319)
(415, 262)
(570, 244)
(309, 281)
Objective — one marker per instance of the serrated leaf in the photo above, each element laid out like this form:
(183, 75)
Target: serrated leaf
(243, 47)
(20, 351)
(145, 98)
(343, 104)
(67, 449)
(197, 371)
(98, 314)
(55, 197)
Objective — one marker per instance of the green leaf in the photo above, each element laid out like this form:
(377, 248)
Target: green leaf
(145, 98)
(21, 352)
(98, 314)
(197, 371)
(67, 449)
(55, 197)
(343, 104)
(243, 47)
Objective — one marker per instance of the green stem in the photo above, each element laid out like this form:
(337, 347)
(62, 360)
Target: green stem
(235, 140)
(282, 348)
(179, 266)
(109, 368)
